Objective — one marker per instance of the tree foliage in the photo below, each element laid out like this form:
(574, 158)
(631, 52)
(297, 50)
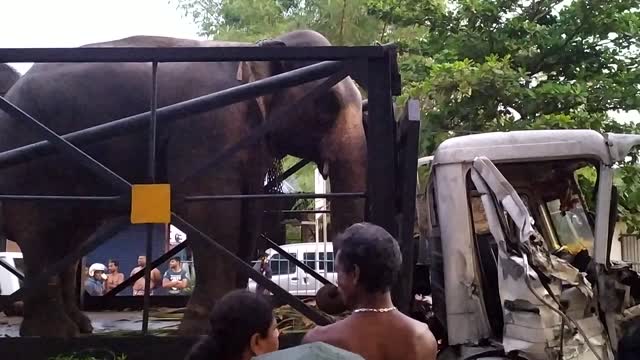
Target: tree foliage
(479, 65)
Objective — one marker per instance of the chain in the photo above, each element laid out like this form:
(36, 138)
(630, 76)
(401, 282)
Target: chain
(383, 310)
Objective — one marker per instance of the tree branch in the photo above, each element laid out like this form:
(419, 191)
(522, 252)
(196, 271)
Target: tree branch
(344, 11)
(560, 48)
(384, 30)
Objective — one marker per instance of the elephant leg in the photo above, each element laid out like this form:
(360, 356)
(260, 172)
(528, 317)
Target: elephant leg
(69, 296)
(70, 282)
(215, 272)
(44, 311)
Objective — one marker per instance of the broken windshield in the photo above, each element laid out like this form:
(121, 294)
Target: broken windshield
(571, 226)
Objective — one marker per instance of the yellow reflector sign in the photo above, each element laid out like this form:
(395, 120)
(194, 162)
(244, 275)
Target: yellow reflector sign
(151, 204)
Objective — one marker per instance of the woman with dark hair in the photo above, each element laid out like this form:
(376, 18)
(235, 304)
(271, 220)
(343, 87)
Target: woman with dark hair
(242, 326)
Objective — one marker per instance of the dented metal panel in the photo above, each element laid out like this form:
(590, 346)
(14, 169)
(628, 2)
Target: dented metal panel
(534, 325)
(466, 317)
(621, 144)
(528, 145)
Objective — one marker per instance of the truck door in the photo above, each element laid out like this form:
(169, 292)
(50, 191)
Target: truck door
(532, 282)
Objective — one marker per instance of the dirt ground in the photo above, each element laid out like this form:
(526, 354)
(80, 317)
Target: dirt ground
(103, 322)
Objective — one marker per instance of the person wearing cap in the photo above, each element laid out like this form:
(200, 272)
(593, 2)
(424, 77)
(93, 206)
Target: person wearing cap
(94, 284)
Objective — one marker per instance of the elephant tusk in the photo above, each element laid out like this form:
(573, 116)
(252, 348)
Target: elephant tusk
(325, 170)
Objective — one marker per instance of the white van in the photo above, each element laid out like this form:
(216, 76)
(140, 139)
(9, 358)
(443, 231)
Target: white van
(291, 277)
(9, 282)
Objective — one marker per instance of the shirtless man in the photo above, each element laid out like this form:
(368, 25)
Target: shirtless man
(138, 286)
(367, 265)
(115, 277)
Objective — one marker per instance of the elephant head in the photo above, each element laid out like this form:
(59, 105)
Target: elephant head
(8, 77)
(328, 130)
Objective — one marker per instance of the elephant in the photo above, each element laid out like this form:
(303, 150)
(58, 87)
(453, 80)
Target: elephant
(67, 97)
(8, 77)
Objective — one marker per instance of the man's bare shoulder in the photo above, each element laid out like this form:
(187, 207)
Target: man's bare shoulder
(424, 339)
(330, 334)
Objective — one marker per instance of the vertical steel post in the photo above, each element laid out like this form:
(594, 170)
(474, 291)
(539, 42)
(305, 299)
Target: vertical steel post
(152, 178)
(381, 201)
(409, 128)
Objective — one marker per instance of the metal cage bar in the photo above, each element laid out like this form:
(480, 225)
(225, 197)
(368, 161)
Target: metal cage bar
(376, 58)
(62, 198)
(298, 211)
(153, 134)
(65, 146)
(297, 262)
(154, 264)
(260, 279)
(189, 54)
(274, 196)
(258, 133)
(11, 269)
(174, 112)
(100, 237)
(287, 173)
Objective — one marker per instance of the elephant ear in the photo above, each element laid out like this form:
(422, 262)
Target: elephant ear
(250, 71)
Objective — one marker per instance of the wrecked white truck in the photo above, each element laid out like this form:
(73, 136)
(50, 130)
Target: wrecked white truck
(519, 267)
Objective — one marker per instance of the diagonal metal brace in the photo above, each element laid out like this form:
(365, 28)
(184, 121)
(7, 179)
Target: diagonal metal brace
(175, 111)
(297, 262)
(66, 147)
(285, 175)
(140, 274)
(11, 269)
(248, 270)
(269, 125)
(35, 284)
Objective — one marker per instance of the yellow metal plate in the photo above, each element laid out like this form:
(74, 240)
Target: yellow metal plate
(151, 204)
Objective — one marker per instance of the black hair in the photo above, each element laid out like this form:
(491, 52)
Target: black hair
(176, 258)
(233, 321)
(374, 251)
(114, 262)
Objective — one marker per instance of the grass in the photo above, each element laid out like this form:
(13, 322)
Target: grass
(106, 356)
(289, 321)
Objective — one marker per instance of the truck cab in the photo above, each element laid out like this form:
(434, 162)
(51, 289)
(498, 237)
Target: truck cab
(519, 264)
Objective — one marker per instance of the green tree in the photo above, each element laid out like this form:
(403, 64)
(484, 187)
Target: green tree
(344, 22)
(478, 65)
(483, 65)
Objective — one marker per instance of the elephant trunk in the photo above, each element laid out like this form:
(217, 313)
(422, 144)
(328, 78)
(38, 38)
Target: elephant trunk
(347, 169)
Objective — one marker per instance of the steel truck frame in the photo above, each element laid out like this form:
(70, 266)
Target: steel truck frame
(394, 152)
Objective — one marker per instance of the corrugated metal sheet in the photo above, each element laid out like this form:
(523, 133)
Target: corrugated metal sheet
(631, 250)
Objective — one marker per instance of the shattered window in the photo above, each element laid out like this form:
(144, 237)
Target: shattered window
(571, 226)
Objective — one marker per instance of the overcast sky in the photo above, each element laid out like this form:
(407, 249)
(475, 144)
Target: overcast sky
(70, 23)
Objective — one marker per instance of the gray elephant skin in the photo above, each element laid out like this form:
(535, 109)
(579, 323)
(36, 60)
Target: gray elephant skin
(8, 77)
(70, 97)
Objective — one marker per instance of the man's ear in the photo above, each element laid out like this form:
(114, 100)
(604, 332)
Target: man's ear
(254, 344)
(356, 274)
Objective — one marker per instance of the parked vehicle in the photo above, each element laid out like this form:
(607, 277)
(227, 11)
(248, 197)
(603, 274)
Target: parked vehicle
(9, 282)
(318, 256)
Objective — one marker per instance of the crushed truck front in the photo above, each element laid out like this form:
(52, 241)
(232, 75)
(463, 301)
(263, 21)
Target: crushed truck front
(575, 301)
